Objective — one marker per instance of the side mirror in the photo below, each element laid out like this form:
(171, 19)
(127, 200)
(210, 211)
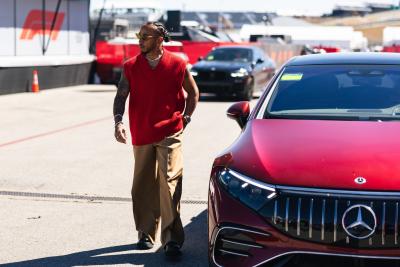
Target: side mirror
(200, 59)
(239, 112)
(259, 61)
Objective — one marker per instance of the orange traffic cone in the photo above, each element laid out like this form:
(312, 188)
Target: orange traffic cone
(35, 82)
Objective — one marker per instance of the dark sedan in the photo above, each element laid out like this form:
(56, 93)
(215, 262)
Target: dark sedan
(233, 71)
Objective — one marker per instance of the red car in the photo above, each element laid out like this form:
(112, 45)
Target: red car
(314, 177)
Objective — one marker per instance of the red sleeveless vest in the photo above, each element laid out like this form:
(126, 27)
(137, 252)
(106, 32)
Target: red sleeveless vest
(156, 101)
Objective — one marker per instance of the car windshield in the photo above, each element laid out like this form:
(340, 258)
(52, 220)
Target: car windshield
(230, 54)
(348, 92)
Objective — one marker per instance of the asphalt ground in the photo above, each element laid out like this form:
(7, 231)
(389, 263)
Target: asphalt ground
(65, 182)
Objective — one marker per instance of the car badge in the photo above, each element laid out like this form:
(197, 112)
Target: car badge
(213, 69)
(360, 180)
(359, 221)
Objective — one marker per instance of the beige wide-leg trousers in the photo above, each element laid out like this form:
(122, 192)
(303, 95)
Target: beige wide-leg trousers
(157, 189)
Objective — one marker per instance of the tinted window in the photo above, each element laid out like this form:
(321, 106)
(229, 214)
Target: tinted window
(230, 54)
(332, 90)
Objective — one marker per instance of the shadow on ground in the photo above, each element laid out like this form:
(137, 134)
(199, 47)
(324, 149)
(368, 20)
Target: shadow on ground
(194, 252)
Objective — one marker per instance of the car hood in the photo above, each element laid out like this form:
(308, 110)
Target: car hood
(221, 65)
(321, 154)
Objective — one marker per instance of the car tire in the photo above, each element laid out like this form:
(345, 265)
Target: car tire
(247, 94)
(220, 96)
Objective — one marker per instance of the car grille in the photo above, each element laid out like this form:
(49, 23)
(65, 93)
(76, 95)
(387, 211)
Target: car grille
(316, 215)
(209, 76)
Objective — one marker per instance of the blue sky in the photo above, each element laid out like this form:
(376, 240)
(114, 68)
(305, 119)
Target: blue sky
(313, 7)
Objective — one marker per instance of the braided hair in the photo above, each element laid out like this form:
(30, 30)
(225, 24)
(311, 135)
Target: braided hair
(161, 30)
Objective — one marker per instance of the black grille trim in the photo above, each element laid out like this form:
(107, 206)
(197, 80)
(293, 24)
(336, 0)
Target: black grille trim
(316, 215)
(319, 192)
(235, 241)
(213, 75)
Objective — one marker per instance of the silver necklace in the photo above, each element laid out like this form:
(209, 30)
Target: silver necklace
(156, 59)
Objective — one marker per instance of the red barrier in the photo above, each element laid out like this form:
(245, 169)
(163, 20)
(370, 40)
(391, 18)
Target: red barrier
(328, 49)
(112, 54)
(392, 49)
(108, 57)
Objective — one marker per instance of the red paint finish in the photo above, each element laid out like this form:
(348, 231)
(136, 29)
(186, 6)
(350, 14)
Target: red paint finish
(224, 160)
(307, 153)
(240, 109)
(319, 154)
(224, 209)
(322, 154)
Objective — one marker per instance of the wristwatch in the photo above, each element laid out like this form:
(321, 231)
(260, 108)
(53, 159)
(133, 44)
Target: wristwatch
(187, 118)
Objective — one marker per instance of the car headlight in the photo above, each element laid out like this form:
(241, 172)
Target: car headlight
(250, 192)
(194, 73)
(242, 72)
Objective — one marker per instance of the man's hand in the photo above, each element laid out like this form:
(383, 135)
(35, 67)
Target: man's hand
(120, 133)
(186, 119)
(189, 85)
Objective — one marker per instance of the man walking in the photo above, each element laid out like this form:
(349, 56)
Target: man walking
(158, 113)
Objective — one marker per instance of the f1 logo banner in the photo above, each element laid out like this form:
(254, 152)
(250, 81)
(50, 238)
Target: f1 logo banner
(33, 24)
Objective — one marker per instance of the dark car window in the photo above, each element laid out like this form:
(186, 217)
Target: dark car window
(230, 54)
(340, 91)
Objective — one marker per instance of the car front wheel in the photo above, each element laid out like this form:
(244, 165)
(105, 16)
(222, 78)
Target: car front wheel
(247, 93)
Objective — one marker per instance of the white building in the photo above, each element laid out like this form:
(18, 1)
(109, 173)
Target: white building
(49, 36)
(335, 36)
(391, 36)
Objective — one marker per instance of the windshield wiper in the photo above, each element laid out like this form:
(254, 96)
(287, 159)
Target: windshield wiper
(372, 110)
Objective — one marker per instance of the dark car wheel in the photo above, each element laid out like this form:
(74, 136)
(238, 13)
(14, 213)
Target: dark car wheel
(220, 96)
(247, 94)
